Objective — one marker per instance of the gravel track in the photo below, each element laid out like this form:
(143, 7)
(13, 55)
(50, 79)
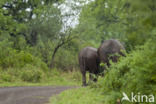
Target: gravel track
(29, 95)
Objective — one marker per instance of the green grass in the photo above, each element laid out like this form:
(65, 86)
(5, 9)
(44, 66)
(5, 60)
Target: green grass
(83, 95)
(54, 77)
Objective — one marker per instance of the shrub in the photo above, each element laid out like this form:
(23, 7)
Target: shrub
(31, 74)
(5, 77)
(10, 57)
(134, 73)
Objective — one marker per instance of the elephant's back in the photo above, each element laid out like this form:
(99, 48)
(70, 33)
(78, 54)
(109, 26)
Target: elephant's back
(111, 46)
(88, 58)
(88, 52)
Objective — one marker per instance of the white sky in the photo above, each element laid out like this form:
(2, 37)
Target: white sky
(67, 8)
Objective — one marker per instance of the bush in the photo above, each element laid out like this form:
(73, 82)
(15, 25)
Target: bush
(5, 77)
(66, 60)
(11, 57)
(31, 74)
(134, 73)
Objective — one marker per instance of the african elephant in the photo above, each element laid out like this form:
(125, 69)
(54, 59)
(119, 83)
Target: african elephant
(88, 61)
(110, 49)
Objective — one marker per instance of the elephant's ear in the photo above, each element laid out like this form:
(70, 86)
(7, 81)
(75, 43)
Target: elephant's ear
(98, 51)
(98, 57)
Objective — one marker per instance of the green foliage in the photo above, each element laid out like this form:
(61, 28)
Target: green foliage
(128, 21)
(13, 58)
(67, 58)
(28, 39)
(23, 11)
(31, 74)
(44, 32)
(6, 77)
(132, 22)
(135, 73)
(27, 45)
(10, 57)
(102, 64)
(100, 21)
(45, 26)
(35, 76)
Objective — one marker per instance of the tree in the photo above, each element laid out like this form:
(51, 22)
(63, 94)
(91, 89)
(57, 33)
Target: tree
(47, 24)
(126, 20)
(24, 10)
(48, 33)
(15, 14)
(65, 38)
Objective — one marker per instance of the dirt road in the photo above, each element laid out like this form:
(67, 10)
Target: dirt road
(29, 95)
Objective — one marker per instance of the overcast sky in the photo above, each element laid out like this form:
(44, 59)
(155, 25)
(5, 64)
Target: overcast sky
(67, 8)
(72, 9)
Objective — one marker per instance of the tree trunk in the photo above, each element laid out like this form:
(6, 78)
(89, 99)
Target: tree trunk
(53, 56)
(60, 44)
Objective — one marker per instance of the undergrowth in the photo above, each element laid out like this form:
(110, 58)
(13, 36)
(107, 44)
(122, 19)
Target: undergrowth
(134, 73)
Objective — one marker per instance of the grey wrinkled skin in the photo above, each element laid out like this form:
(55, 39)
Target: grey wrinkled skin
(88, 61)
(110, 50)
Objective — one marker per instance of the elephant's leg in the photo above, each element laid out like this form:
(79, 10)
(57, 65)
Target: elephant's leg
(91, 77)
(95, 78)
(84, 78)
